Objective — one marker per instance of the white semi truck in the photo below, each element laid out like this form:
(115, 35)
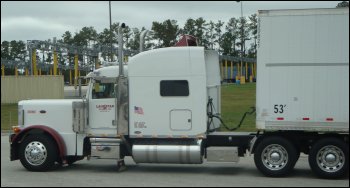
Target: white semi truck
(164, 106)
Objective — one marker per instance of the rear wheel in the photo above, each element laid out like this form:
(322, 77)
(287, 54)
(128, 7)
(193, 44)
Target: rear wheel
(275, 156)
(329, 158)
(38, 153)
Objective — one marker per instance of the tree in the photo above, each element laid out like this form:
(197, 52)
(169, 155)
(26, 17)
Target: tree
(67, 37)
(226, 44)
(61, 58)
(209, 35)
(134, 42)
(104, 39)
(200, 32)
(189, 27)
(126, 35)
(253, 27)
(166, 32)
(342, 4)
(5, 50)
(14, 50)
(218, 31)
(18, 50)
(196, 28)
(252, 51)
(85, 36)
(49, 57)
(243, 34)
(107, 38)
(232, 28)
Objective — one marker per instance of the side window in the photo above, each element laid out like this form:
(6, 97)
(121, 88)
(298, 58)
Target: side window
(103, 90)
(169, 88)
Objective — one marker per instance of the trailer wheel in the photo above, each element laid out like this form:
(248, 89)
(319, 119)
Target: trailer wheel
(275, 156)
(38, 153)
(329, 158)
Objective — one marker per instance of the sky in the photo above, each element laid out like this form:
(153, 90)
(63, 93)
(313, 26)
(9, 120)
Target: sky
(42, 20)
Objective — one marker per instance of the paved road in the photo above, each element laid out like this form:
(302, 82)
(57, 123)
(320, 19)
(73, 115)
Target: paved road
(103, 173)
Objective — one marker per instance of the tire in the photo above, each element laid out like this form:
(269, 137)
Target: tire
(275, 156)
(38, 153)
(329, 158)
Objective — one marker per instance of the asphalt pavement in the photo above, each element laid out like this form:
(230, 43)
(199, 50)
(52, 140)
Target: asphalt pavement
(103, 173)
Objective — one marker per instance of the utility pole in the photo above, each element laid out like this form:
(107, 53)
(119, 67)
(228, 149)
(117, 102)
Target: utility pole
(110, 29)
(242, 38)
(30, 50)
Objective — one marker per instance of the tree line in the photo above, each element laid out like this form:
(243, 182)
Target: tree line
(228, 37)
(223, 37)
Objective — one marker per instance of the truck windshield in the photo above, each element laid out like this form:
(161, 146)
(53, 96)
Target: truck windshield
(103, 90)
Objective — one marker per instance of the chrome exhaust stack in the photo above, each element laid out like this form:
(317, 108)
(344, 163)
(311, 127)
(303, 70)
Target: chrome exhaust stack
(123, 96)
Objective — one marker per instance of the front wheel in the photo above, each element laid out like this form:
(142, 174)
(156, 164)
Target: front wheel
(275, 156)
(38, 153)
(329, 158)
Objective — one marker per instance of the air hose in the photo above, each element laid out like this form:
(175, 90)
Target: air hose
(210, 114)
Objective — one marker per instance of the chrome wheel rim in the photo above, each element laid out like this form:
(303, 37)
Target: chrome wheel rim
(35, 153)
(330, 158)
(274, 157)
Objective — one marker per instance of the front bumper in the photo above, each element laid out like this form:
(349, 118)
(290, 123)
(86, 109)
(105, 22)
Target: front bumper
(13, 148)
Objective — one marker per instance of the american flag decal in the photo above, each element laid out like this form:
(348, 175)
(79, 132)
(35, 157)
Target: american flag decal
(138, 110)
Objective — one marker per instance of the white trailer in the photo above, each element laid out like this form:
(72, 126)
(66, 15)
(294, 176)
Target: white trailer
(303, 63)
(303, 87)
(164, 106)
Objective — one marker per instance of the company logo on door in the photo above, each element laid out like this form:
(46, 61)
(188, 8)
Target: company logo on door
(104, 107)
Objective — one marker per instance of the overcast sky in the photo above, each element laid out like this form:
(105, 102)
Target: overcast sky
(40, 20)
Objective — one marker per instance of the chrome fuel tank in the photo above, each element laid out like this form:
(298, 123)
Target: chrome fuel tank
(177, 154)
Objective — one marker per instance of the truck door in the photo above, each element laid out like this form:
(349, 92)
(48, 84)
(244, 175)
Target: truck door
(102, 106)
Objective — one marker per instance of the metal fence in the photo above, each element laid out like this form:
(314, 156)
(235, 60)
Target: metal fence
(16, 88)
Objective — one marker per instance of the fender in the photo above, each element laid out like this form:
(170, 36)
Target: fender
(252, 143)
(54, 134)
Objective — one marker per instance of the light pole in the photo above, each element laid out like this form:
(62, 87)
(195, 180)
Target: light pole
(30, 54)
(110, 29)
(241, 8)
(242, 39)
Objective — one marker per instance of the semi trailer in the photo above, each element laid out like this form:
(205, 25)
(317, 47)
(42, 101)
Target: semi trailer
(164, 106)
